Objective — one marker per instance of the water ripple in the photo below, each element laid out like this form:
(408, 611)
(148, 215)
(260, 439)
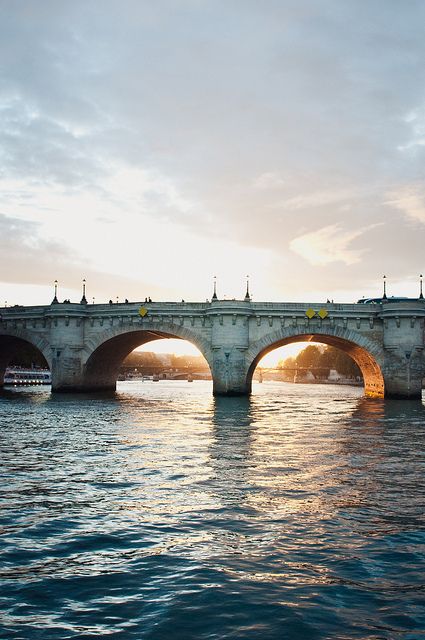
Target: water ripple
(162, 512)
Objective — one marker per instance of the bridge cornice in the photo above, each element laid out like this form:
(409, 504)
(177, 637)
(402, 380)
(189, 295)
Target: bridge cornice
(215, 308)
(222, 306)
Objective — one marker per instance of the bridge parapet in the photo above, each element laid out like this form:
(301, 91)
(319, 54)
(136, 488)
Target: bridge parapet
(221, 306)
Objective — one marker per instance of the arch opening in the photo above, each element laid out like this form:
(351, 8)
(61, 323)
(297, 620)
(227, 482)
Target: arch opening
(165, 359)
(121, 358)
(20, 354)
(367, 364)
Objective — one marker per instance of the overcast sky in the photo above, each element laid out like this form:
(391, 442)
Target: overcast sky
(148, 146)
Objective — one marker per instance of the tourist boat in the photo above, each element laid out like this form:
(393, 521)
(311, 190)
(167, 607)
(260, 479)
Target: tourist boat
(25, 377)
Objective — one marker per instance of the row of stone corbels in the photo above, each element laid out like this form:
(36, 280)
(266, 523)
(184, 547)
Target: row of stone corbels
(210, 316)
(189, 320)
(203, 320)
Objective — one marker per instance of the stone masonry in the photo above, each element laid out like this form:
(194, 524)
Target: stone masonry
(84, 345)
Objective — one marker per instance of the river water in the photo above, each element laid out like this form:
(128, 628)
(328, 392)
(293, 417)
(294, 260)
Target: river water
(163, 513)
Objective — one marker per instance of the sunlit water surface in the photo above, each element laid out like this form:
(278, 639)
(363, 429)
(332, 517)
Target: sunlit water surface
(162, 512)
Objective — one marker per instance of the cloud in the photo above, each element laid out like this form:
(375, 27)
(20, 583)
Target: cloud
(216, 121)
(329, 244)
(28, 258)
(269, 180)
(411, 201)
(318, 199)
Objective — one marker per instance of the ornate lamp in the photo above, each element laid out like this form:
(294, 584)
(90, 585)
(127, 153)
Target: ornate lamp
(214, 296)
(247, 295)
(84, 299)
(55, 297)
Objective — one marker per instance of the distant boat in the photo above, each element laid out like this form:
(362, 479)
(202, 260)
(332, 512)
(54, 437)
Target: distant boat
(26, 377)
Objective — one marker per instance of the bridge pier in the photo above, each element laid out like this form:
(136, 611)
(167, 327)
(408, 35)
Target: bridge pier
(403, 375)
(403, 341)
(229, 373)
(71, 375)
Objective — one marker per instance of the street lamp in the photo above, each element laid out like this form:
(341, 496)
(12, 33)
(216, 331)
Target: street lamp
(214, 297)
(384, 297)
(247, 296)
(84, 299)
(421, 295)
(55, 297)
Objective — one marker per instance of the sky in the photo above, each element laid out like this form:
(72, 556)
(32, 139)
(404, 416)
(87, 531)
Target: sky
(183, 347)
(148, 146)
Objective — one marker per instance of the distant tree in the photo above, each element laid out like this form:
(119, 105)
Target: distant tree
(308, 357)
(288, 363)
(288, 367)
(345, 365)
(320, 360)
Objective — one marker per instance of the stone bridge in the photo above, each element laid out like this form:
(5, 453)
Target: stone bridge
(84, 345)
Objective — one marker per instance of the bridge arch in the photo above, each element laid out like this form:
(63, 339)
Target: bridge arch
(105, 354)
(15, 341)
(366, 354)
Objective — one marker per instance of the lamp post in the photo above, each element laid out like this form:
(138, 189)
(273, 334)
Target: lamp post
(93, 300)
(421, 295)
(84, 299)
(55, 297)
(384, 297)
(214, 297)
(247, 296)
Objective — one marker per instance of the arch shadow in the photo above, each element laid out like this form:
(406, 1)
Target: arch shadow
(100, 372)
(23, 349)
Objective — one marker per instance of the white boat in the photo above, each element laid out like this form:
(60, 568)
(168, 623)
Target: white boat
(25, 377)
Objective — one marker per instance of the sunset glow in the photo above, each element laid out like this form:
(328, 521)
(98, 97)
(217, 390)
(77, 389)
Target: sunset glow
(223, 149)
(183, 347)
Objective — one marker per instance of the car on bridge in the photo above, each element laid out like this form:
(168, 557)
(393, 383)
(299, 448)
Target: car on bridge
(381, 300)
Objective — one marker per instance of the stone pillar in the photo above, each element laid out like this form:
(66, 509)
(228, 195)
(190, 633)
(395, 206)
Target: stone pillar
(229, 338)
(66, 336)
(67, 370)
(404, 367)
(229, 373)
(403, 373)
